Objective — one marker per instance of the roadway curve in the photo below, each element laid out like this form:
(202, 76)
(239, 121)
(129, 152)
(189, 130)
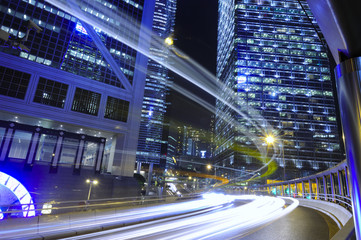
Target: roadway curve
(216, 216)
(231, 217)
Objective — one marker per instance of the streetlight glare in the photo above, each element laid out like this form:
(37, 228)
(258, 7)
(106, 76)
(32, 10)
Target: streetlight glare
(209, 166)
(95, 182)
(88, 180)
(270, 139)
(168, 41)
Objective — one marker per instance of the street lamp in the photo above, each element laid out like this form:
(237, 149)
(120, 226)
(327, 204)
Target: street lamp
(91, 182)
(168, 41)
(270, 139)
(209, 166)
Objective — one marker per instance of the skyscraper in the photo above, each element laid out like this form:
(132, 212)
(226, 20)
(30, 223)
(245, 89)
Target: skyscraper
(270, 55)
(156, 87)
(71, 93)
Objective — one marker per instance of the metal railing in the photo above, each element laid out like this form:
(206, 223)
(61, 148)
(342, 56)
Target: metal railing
(330, 185)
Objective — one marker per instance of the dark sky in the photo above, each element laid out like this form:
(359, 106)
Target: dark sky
(196, 35)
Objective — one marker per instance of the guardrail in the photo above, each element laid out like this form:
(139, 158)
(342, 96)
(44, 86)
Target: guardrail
(67, 207)
(330, 185)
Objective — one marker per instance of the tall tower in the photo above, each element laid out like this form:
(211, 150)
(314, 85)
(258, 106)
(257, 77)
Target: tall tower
(270, 54)
(156, 87)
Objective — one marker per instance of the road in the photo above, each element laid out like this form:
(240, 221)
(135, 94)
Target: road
(215, 216)
(237, 218)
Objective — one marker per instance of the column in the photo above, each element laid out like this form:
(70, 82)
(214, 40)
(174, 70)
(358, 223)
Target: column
(56, 156)
(116, 155)
(332, 187)
(79, 154)
(340, 184)
(33, 147)
(7, 141)
(100, 154)
(303, 189)
(150, 175)
(317, 189)
(324, 187)
(347, 182)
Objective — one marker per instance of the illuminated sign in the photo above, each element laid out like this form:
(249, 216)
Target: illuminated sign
(20, 192)
(203, 154)
(80, 28)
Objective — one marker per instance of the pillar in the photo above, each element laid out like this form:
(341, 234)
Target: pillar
(348, 80)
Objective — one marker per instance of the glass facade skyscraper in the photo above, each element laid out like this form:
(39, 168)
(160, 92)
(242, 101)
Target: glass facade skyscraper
(81, 85)
(270, 55)
(156, 87)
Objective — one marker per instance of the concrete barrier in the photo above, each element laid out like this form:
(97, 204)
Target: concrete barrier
(339, 214)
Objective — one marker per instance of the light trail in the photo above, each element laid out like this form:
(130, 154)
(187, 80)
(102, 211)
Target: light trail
(213, 216)
(59, 223)
(226, 222)
(127, 31)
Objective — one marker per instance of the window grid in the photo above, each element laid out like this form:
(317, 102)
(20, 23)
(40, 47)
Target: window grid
(13, 83)
(51, 93)
(86, 101)
(116, 109)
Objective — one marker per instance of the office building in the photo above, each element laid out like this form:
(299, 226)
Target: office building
(156, 88)
(270, 55)
(70, 93)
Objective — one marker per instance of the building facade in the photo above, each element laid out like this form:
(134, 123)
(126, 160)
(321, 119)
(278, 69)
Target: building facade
(70, 93)
(156, 88)
(270, 55)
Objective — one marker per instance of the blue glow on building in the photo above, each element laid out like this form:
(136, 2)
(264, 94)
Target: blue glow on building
(80, 28)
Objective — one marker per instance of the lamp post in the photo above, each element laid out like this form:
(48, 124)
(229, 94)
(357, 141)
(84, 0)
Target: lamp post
(91, 182)
(209, 167)
(283, 159)
(270, 139)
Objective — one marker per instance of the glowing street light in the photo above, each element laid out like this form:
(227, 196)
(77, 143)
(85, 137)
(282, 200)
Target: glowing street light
(270, 139)
(168, 41)
(209, 166)
(91, 182)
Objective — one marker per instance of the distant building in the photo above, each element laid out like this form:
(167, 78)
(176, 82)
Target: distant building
(156, 88)
(270, 55)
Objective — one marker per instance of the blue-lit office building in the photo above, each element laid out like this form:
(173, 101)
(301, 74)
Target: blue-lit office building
(156, 88)
(270, 54)
(70, 95)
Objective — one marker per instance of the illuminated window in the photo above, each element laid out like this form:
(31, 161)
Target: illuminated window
(90, 154)
(20, 144)
(86, 101)
(46, 148)
(51, 93)
(68, 151)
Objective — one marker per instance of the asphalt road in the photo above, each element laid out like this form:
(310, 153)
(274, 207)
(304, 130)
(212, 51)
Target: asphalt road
(301, 224)
(211, 218)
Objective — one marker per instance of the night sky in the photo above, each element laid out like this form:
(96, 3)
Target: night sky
(196, 35)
